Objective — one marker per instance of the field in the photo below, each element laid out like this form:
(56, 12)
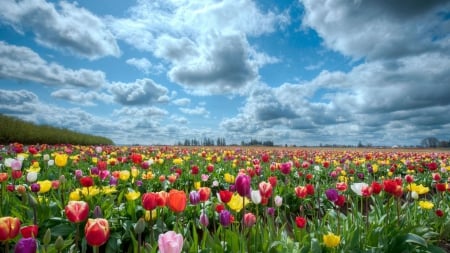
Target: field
(68, 198)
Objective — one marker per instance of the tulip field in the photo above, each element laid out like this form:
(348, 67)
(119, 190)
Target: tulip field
(68, 198)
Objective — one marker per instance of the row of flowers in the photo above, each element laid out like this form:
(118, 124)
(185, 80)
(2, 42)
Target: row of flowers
(172, 199)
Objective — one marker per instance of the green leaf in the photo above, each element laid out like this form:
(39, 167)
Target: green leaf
(315, 246)
(413, 238)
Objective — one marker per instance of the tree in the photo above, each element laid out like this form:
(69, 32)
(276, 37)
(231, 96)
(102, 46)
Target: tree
(430, 142)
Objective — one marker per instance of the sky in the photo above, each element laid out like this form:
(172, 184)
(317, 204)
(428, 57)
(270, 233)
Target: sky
(306, 72)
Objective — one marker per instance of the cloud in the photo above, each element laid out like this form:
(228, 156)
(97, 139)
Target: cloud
(87, 98)
(225, 69)
(379, 29)
(198, 110)
(374, 102)
(141, 92)
(17, 102)
(145, 66)
(23, 64)
(182, 101)
(67, 28)
(201, 58)
(146, 112)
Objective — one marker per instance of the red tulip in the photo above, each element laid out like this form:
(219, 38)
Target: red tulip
(176, 200)
(225, 196)
(77, 211)
(204, 193)
(9, 228)
(96, 231)
(149, 200)
(87, 181)
(300, 222)
(29, 231)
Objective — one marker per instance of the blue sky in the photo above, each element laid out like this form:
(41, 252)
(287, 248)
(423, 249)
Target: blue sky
(306, 72)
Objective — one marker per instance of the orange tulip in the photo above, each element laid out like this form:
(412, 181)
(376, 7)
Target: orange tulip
(9, 228)
(96, 231)
(176, 200)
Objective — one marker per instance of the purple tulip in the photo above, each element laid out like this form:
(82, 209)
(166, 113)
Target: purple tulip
(26, 245)
(360, 176)
(232, 188)
(35, 187)
(225, 218)
(194, 197)
(332, 195)
(204, 219)
(271, 211)
(242, 184)
(94, 171)
(113, 181)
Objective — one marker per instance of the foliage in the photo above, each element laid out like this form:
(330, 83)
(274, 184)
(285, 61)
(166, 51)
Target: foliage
(15, 130)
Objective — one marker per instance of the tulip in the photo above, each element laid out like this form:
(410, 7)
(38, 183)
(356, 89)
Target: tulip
(96, 232)
(225, 218)
(300, 222)
(45, 186)
(243, 185)
(256, 197)
(332, 195)
(86, 181)
(170, 242)
(3, 176)
(204, 193)
(26, 245)
(35, 187)
(204, 219)
(9, 228)
(29, 231)
(331, 240)
(132, 195)
(77, 211)
(32, 177)
(278, 201)
(61, 160)
(194, 197)
(149, 200)
(225, 196)
(176, 200)
(249, 219)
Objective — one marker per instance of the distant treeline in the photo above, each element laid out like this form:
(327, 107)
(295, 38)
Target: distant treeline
(222, 142)
(16, 130)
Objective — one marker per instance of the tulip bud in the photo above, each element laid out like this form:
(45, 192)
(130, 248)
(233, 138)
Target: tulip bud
(47, 237)
(139, 227)
(59, 244)
(98, 212)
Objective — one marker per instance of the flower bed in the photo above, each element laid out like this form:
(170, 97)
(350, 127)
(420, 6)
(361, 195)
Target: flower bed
(222, 199)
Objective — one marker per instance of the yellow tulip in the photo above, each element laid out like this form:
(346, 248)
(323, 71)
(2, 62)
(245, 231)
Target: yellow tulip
(134, 172)
(237, 203)
(420, 189)
(75, 195)
(229, 178)
(197, 185)
(45, 186)
(132, 195)
(426, 204)
(124, 175)
(61, 160)
(331, 240)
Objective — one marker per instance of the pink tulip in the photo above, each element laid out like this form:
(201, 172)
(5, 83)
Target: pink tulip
(170, 242)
